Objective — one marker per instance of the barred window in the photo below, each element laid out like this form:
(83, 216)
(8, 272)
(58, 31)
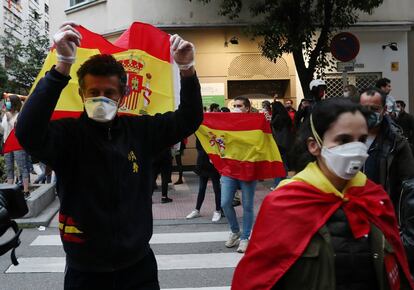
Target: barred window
(361, 80)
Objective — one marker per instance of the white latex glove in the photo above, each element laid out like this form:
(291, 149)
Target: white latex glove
(182, 51)
(66, 40)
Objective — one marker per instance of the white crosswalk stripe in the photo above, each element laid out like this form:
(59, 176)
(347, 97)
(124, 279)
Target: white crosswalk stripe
(165, 262)
(171, 238)
(212, 260)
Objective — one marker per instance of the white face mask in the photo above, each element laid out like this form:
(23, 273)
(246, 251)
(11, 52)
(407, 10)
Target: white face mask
(345, 160)
(101, 109)
(237, 110)
(346, 94)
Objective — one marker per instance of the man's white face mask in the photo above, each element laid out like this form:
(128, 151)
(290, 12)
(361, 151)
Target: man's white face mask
(101, 109)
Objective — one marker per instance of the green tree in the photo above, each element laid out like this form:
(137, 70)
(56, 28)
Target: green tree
(23, 58)
(300, 27)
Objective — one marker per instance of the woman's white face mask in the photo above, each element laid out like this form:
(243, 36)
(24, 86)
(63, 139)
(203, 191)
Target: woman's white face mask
(345, 160)
(101, 109)
(342, 160)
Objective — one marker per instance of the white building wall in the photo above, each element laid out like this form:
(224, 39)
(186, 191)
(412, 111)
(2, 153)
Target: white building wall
(376, 59)
(392, 10)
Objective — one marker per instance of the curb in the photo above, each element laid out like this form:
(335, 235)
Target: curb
(43, 219)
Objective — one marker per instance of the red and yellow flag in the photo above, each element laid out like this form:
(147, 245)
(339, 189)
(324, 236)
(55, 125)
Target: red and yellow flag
(144, 50)
(241, 146)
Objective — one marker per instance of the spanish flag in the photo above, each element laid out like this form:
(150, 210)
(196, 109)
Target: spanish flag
(241, 145)
(144, 51)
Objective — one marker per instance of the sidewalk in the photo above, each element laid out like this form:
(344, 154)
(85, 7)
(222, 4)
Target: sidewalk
(185, 195)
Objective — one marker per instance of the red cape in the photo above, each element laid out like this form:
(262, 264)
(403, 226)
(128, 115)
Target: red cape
(290, 216)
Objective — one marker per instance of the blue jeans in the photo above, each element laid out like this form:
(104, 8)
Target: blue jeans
(229, 187)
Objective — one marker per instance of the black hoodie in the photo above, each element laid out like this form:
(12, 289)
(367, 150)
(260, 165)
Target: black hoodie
(103, 171)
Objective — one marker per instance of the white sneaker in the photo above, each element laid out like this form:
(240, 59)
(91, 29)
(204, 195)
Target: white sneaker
(242, 246)
(216, 216)
(194, 214)
(233, 240)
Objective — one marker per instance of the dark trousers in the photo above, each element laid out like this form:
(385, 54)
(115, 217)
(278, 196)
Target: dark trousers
(141, 276)
(179, 166)
(202, 191)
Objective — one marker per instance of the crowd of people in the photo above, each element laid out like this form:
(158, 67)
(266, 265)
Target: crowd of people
(18, 165)
(330, 224)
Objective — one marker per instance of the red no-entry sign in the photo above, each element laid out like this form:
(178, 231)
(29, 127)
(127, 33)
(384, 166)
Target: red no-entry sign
(345, 46)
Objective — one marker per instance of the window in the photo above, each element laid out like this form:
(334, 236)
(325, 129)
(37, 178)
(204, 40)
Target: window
(7, 61)
(362, 81)
(46, 9)
(35, 15)
(76, 2)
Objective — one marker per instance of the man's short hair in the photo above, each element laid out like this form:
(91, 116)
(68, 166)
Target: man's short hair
(214, 106)
(245, 101)
(372, 92)
(103, 65)
(382, 82)
(401, 103)
(16, 103)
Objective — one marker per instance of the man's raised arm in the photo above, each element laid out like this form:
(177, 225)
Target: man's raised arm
(32, 128)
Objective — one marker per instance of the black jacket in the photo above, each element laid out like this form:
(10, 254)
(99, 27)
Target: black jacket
(390, 160)
(204, 167)
(103, 171)
(406, 122)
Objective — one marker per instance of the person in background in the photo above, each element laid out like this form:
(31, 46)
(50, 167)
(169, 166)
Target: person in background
(390, 160)
(406, 122)
(162, 165)
(291, 111)
(229, 187)
(384, 86)
(206, 170)
(350, 91)
(214, 107)
(225, 110)
(9, 120)
(267, 110)
(282, 132)
(302, 113)
(329, 227)
(179, 161)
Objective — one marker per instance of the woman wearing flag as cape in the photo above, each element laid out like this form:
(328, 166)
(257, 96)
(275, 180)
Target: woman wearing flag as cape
(329, 227)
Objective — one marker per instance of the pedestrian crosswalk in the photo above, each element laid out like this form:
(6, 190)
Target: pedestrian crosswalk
(182, 255)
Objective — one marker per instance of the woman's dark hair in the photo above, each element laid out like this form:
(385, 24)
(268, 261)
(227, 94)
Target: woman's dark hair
(245, 101)
(16, 103)
(225, 109)
(324, 114)
(103, 65)
(267, 105)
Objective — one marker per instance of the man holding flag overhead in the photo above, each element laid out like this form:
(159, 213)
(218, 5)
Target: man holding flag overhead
(103, 162)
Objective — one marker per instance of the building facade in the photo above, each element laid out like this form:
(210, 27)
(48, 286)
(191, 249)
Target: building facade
(229, 63)
(15, 16)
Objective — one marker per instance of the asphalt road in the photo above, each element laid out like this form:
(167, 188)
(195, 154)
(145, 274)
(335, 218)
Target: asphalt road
(190, 256)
